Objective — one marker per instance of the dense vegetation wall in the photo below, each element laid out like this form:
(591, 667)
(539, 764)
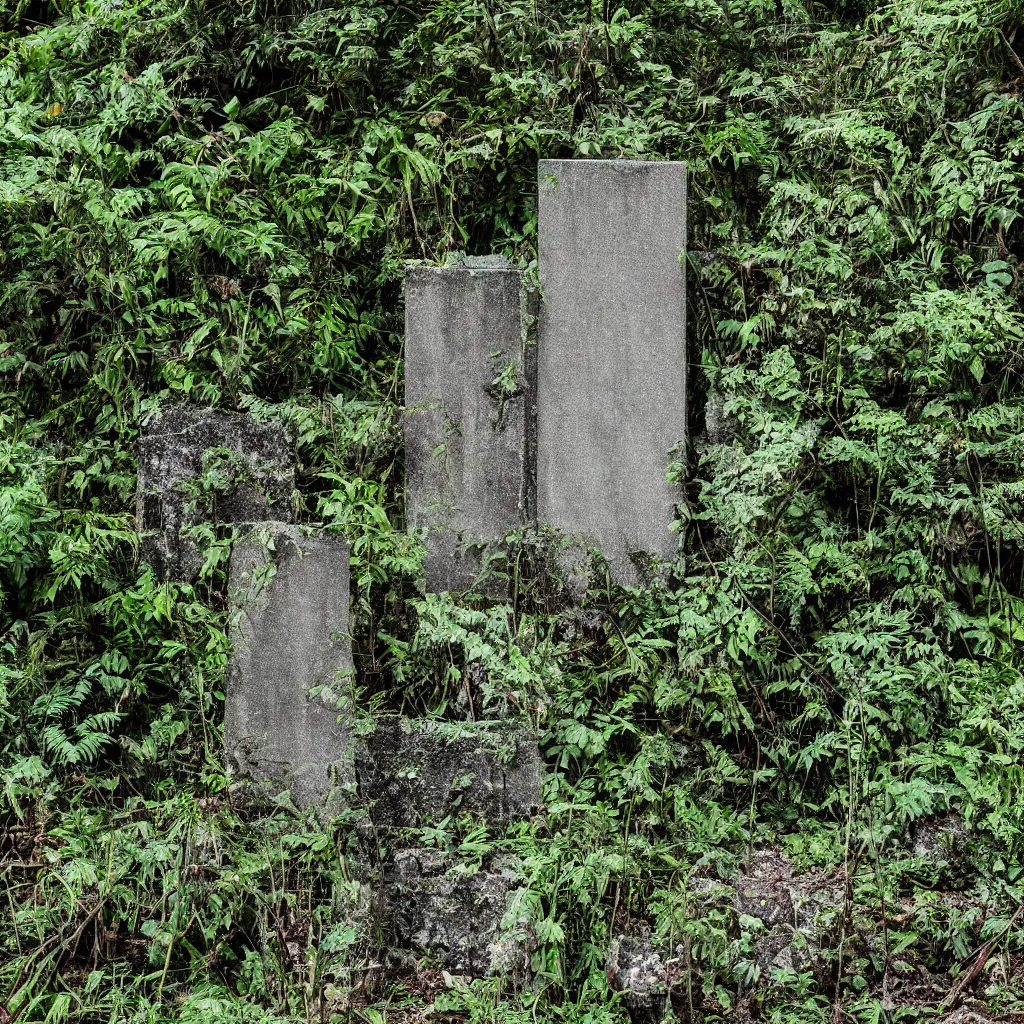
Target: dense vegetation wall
(213, 202)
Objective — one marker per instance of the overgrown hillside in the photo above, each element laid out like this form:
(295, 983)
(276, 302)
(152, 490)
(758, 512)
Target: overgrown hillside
(213, 201)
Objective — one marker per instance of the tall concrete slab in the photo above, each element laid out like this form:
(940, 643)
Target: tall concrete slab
(289, 594)
(611, 361)
(469, 395)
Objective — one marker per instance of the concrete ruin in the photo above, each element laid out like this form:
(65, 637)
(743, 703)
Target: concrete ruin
(576, 432)
(289, 594)
(611, 371)
(469, 395)
(579, 433)
(199, 466)
(413, 773)
(429, 904)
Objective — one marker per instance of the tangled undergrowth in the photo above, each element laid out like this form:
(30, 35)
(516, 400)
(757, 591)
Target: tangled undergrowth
(213, 201)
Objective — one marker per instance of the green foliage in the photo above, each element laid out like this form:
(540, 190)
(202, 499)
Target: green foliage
(214, 202)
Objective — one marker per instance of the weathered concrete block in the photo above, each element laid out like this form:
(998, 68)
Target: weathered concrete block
(412, 773)
(635, 965)
(289, 632)
(430, 905)
(469, 396)
(199, 465)
(611, 373)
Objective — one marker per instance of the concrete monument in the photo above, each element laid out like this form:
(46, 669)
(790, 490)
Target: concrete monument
(469, 393)
(611, 373)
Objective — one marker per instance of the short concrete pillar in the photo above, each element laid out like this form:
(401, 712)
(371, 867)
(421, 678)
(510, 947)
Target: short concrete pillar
(469, 394)
(611, 391)
(248, 466)
(289, 595)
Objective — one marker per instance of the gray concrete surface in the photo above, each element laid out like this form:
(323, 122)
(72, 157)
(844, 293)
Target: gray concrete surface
(248, 468)
(289, 596)
(411, 773)
(611, 364)
(469, 389)
(430, 904)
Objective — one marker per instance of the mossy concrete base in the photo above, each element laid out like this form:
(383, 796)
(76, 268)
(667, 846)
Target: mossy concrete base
(411, 773)
(466, 919)
(199, 465)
